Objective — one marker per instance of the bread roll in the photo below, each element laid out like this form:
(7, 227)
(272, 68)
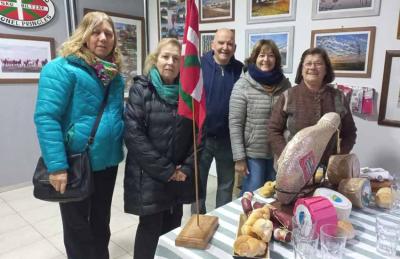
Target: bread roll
(263, 228)
(249, 246)
(384, 198)
(348, 227)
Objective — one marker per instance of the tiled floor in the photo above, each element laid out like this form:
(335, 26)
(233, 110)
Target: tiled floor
(30, 228)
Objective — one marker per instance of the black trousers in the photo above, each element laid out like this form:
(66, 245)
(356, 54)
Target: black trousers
(86, 223)
(151, 227)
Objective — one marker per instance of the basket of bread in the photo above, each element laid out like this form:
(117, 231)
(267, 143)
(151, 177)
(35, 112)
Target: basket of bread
(254, 231)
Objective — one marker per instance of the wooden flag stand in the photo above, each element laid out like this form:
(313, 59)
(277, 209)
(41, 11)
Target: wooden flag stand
(200, 228)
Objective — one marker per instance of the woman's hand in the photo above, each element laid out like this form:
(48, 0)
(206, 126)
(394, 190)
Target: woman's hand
(241, 167)
(178, 175)
(59, 180)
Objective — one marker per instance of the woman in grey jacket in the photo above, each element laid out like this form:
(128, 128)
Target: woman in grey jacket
(250, 108)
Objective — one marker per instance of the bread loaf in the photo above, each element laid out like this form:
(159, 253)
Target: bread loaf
(249, 246)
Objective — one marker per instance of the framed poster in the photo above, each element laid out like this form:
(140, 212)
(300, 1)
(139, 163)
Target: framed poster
(283, 38)
(22, 57)
(130, 33)
(398, 29)
(216, 10)
(350, 50)
(70, 14)
(332, 9)
(389, 108)
(206, 38)
(261, 11)
(171, 18)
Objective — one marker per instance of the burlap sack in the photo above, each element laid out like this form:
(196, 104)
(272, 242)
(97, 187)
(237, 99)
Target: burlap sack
(342, 167)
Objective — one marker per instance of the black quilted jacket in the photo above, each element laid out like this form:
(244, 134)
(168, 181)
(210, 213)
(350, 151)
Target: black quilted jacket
(158, 140)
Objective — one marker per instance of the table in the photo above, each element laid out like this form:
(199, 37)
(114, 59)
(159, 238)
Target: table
(220, 246)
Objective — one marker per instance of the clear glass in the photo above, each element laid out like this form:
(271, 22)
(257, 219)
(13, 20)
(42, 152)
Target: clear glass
(396, 194)
(333, 241)
(306, 228)
(387, 234)
(304, 247)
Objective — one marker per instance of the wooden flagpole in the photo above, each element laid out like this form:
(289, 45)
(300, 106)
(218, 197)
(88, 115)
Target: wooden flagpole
(196, 172)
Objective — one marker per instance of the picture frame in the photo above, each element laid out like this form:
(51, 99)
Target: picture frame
(263, 11)
(130, 33)
(354, 56)
(17, 65)
(216, 11)
(171, 18)
(70, 14)
(389, 108)
(283, 38)
(206, 38)
(398, 28)
(344, 9)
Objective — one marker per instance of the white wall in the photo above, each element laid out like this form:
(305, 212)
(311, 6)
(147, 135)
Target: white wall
(377, 146)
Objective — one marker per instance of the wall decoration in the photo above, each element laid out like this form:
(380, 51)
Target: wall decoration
(216, 10)
(171, 18)
(70, 14)
(260, 11)
(26, 14)
(398, 29)
(282, 36)
(350, 49)
(389, 109)
(206, 38)
(130, 33)
(22, 57)
(333, 9)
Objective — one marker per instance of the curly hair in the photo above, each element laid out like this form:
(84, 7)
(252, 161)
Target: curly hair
(76, 44)
(151, 58)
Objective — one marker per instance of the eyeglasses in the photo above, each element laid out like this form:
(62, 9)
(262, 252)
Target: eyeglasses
(311, 64)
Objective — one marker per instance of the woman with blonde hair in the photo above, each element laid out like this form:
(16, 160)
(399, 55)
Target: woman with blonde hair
(71, 90)
(159, 164)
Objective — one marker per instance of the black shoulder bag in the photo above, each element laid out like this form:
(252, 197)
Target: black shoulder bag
(79, 185)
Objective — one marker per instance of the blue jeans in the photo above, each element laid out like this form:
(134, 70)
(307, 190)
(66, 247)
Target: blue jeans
(220, 150)
(260, 171)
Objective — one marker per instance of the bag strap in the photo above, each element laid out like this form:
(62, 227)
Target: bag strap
(98, 118)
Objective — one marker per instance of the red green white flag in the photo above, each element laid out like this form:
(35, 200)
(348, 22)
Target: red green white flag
(192, 99)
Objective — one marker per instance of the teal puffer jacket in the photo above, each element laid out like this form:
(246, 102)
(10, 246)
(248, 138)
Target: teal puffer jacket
(68, 101)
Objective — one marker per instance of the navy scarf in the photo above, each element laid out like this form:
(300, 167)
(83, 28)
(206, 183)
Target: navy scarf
(270, 78)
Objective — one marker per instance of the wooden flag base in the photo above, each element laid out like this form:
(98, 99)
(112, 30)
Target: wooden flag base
(193, 236)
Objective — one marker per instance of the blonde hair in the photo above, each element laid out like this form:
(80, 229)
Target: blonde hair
(151, 59)
(76, 44)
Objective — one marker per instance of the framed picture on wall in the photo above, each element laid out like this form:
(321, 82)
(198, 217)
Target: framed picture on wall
(206, 38)
(332, 9)
(261, 11)
(130, 33)
(283, 38)
(171, 18)
(389, 108)
(23, 57)
(216, 10)
(350, 49)
(398, 29)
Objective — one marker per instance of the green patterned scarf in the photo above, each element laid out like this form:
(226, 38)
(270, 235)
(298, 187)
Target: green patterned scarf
(105, 71)
(168, 93)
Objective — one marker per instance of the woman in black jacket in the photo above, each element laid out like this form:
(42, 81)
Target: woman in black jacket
(159, 165)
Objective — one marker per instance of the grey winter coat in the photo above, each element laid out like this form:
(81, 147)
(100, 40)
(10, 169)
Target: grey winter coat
(250, 108)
